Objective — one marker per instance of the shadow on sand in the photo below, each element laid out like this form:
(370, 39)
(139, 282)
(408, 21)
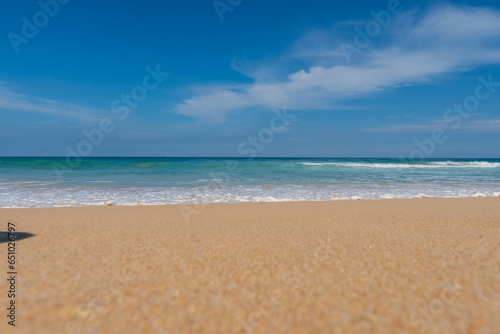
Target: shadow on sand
(4, 236)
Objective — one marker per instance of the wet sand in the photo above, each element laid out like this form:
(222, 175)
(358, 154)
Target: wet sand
(389, 266)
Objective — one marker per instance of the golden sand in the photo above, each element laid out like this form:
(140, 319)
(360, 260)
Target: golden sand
(391, 266)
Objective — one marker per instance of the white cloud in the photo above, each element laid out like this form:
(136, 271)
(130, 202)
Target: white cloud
(449, 24)
(13, 101)
(213, 106)
(409, 128)
(479, 126)
(446, 39)
(482, 126)
(491, 122)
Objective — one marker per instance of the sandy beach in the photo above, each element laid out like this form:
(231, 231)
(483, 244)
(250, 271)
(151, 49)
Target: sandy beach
(382, 266)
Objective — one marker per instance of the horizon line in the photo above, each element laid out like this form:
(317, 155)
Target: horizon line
(239, 157)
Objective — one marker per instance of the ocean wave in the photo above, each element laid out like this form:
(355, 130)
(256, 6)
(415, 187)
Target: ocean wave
(433, 164)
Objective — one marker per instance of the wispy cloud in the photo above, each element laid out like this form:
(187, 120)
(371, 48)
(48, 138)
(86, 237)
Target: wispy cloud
(13, 101)
(446, 39)
(479, 126)
(492, 125)
(409, 128)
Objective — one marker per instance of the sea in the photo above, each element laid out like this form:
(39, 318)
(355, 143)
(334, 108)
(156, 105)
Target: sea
(57, 182)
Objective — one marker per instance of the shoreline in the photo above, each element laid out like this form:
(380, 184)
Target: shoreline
(249, 202)
(378, 266)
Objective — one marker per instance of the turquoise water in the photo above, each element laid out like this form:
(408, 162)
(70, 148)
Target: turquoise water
(42, 182)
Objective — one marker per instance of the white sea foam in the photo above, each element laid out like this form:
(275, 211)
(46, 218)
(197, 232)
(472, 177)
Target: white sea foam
(48, 197)
(434, 164)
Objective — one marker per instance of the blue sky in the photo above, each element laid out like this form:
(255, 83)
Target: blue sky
(357, 86)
